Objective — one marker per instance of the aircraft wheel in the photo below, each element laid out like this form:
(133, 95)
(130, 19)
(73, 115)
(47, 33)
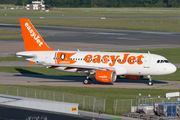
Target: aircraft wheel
(86, 81)
(150, 80)
(150, 83)
(90, 81)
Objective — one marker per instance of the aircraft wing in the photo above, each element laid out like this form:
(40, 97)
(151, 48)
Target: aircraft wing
(79, 66)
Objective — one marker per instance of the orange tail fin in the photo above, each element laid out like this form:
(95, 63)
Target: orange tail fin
(32, 39)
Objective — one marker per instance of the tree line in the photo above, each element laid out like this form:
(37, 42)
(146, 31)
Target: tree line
(7, 1)
(100, 3)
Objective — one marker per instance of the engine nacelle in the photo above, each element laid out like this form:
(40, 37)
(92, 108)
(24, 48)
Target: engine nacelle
(134, 77)
(106, 76)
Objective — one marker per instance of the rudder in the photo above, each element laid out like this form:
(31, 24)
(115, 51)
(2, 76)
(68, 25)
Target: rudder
(32, 39)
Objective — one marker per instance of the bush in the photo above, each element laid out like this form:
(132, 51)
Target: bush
(18, 2)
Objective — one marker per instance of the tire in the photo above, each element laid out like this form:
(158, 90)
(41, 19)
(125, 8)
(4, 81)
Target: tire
(150, 83)
(90, 81)
(86, 81)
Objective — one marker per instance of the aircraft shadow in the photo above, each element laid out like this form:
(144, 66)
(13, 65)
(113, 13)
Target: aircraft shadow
(145, 81)
(50, 78)
(27, 73)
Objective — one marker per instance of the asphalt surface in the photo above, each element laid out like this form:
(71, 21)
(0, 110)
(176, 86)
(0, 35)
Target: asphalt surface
(50, 80)
(92, 39)
(102, 36)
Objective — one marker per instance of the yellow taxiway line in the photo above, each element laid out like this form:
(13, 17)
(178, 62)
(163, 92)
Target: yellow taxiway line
(164, 85)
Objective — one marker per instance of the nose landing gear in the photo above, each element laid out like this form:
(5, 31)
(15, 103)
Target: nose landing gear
(150, 80)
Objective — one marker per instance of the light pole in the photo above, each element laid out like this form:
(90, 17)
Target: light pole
(137, 101)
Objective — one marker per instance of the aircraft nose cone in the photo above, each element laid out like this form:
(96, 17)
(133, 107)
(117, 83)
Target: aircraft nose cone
(172, 68)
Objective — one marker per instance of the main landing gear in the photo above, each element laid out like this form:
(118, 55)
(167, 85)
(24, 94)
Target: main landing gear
(87, 80)
(150, 80)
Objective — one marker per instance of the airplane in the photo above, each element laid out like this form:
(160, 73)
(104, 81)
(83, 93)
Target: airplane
(103, 66)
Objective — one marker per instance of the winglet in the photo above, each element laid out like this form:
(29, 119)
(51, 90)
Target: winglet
(32, 39)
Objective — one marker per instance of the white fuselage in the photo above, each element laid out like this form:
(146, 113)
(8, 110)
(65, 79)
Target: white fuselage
(123, 63)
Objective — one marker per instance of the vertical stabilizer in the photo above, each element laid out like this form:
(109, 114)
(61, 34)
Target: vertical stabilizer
(32, 39)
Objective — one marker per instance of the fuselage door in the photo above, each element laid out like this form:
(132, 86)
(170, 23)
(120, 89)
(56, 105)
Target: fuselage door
(147, 61)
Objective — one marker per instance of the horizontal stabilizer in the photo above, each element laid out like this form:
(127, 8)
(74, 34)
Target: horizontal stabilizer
(26, 56)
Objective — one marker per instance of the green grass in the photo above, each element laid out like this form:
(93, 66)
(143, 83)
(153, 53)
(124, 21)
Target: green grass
(11, 37)
(11, 58)
(44, 71)
(100, 12)
(111, 93)
(8, 32)
(17, 36)
(152, 24)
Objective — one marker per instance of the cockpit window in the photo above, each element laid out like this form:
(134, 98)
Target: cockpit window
(162, 61)
(166, 61)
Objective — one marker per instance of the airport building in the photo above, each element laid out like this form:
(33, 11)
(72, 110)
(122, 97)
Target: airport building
(37, 5)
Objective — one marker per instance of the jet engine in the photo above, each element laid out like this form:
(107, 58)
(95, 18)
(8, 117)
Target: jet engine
(106, 76)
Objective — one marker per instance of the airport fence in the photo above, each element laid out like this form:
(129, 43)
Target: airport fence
(131, 105)
(91, 103)
(124, 106)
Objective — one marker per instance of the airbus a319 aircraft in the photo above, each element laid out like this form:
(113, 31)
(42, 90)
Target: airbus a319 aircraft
(103, 66)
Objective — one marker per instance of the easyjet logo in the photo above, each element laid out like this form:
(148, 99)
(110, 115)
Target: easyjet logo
(112, 59)
(102, 76)
(33, 34)
(64, 58)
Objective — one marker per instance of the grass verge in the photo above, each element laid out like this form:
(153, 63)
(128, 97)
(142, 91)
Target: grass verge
(11, 37)
(17, 36)
(151, 24)
(93, 12)
(11, 58)
(111, 93)
(9, 32)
